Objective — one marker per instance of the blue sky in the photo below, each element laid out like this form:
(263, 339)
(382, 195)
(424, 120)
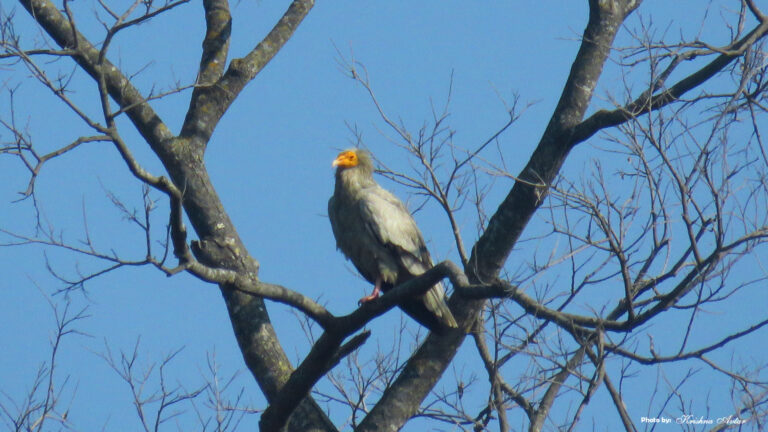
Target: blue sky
(270, 161)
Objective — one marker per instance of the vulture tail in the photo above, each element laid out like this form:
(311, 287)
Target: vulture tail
(431, 310)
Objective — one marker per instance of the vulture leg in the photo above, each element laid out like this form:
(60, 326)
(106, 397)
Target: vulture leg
(374, 294)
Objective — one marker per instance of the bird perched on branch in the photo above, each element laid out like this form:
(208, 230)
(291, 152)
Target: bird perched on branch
(377, 233)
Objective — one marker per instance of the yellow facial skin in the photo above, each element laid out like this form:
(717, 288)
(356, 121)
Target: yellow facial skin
(345, 159)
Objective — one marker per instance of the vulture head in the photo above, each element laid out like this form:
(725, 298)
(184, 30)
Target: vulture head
(354, 158)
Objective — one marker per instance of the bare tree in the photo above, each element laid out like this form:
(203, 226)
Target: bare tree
(644, 242)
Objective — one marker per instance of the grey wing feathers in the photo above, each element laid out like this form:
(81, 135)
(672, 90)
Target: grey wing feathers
(393, 225)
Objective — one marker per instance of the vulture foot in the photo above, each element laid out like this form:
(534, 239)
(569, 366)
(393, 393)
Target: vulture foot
(374, 294)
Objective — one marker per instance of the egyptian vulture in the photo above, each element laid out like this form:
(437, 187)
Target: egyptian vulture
(377, 233)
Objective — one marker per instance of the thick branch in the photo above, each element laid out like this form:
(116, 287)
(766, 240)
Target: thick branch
(210, 101)
(218, 23)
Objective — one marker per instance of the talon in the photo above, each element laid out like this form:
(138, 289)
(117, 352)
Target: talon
(368, 298)
(374, 294)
